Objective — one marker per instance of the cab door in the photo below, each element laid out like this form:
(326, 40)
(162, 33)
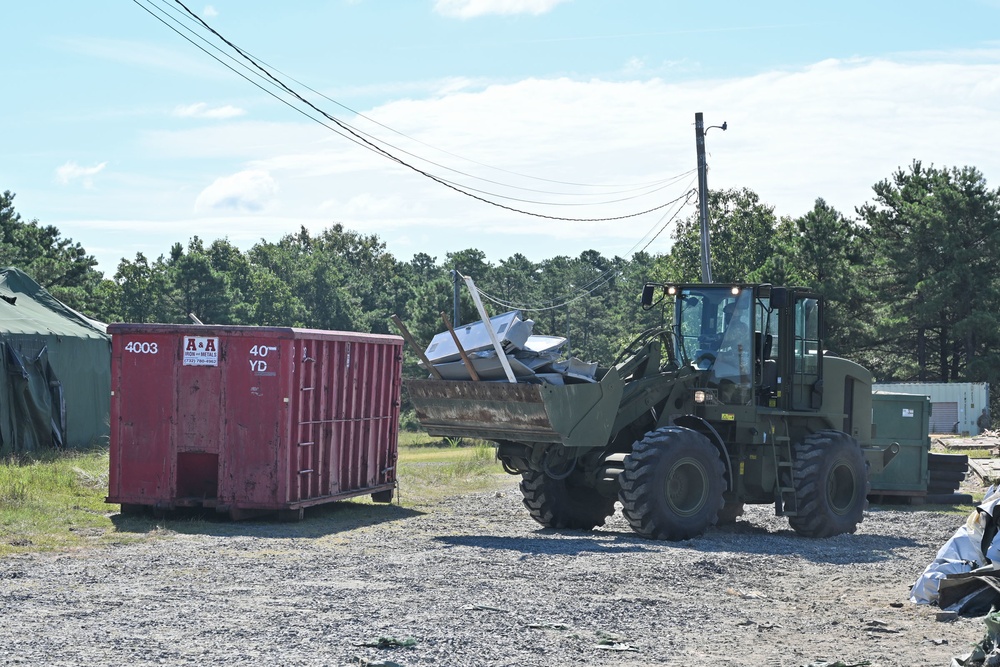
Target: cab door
(807, 352)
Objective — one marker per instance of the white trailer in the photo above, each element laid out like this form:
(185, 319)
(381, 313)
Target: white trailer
(955, 406)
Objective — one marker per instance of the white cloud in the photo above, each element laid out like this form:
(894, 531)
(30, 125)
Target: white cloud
(71, 172)
(829, 130)
(250, 191)
(146, 55)
(202, 110)
(634, 65)
(466, 9)
(209, 11)
(369, 206)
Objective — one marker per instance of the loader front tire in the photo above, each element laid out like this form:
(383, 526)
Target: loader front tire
(672, 485)
(564, 503)
(830, 478)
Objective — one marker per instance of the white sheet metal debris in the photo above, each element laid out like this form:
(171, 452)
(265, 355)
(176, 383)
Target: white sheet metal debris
(531, 358)
(510, 329)
(544, 346)
(487, 366)
(575, 368)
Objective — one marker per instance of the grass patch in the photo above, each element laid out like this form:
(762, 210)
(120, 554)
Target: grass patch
(978, 453)
(433, 469)
(417, 439)
(54, 501)
(957, 510)
(421, 439)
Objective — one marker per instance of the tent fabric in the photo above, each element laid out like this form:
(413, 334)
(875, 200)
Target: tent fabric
(55, 371)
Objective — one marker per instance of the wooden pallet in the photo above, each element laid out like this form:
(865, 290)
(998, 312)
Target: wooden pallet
(979, 442)
(988, 470)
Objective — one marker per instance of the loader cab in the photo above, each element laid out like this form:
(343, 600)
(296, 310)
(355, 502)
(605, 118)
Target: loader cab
(752, 344)
(713, 328)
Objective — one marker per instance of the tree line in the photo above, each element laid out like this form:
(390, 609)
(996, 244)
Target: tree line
(911, 283)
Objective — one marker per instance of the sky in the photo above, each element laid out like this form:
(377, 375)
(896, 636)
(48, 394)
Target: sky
(572, 119)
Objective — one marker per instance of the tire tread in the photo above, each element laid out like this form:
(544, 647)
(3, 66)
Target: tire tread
(812, 519)
(640, 485)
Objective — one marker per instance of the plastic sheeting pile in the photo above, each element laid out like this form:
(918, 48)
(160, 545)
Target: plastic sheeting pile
(532, 358)
(968, 563)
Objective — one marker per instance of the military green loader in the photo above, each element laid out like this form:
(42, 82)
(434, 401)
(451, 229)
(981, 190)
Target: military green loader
(733, 401)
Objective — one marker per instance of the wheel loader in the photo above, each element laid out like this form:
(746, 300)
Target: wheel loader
(732, 401)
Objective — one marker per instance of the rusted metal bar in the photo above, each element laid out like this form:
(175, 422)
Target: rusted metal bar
(416, 348)
(461, 350)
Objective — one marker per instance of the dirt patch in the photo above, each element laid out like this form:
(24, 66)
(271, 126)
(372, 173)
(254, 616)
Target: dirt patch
(473, 581)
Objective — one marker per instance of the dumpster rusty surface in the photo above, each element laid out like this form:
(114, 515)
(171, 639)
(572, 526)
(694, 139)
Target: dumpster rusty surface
(245, 419)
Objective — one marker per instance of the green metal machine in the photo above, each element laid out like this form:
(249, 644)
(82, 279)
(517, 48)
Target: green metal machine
(732, 402)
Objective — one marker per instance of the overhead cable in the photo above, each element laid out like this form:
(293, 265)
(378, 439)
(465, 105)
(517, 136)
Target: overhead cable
(359, 137)
(262, 65)
(604, 278)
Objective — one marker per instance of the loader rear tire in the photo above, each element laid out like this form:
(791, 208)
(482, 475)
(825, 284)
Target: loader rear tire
(672, 485)
(564, 503)
(830, 478)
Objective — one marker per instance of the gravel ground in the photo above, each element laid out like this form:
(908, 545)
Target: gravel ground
(474, 581)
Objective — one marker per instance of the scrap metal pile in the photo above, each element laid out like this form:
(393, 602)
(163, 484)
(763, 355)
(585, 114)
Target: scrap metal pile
(964, 579)
(530, 358)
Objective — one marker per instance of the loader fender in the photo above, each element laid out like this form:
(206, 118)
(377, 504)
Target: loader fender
(701, 426)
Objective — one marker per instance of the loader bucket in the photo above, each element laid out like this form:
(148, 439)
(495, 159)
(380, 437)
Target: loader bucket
(576, 415)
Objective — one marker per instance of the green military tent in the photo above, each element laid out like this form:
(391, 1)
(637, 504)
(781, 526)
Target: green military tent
(55, 390)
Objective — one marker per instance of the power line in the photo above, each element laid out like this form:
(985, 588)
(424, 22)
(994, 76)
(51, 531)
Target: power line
(666, 224)
(604, 278)
(238, 73)
(359, 138)
(466, 190)
(461, 157)
(261, 65)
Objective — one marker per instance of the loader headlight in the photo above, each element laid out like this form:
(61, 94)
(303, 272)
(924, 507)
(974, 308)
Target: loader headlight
(671, 290)
(699, 396)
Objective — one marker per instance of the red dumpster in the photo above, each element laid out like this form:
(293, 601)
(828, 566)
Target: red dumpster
(250, 419)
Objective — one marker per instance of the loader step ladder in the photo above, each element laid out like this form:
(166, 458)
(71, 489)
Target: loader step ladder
(785, 503)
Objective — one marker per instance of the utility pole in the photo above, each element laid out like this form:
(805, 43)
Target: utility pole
(699, 133)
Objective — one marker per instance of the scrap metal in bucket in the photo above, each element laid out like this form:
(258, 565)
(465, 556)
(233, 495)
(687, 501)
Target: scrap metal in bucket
(533, 359)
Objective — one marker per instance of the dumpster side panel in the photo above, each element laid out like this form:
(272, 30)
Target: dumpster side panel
(377, 415)
(345, 433)
(255, 419)
(142, 418)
